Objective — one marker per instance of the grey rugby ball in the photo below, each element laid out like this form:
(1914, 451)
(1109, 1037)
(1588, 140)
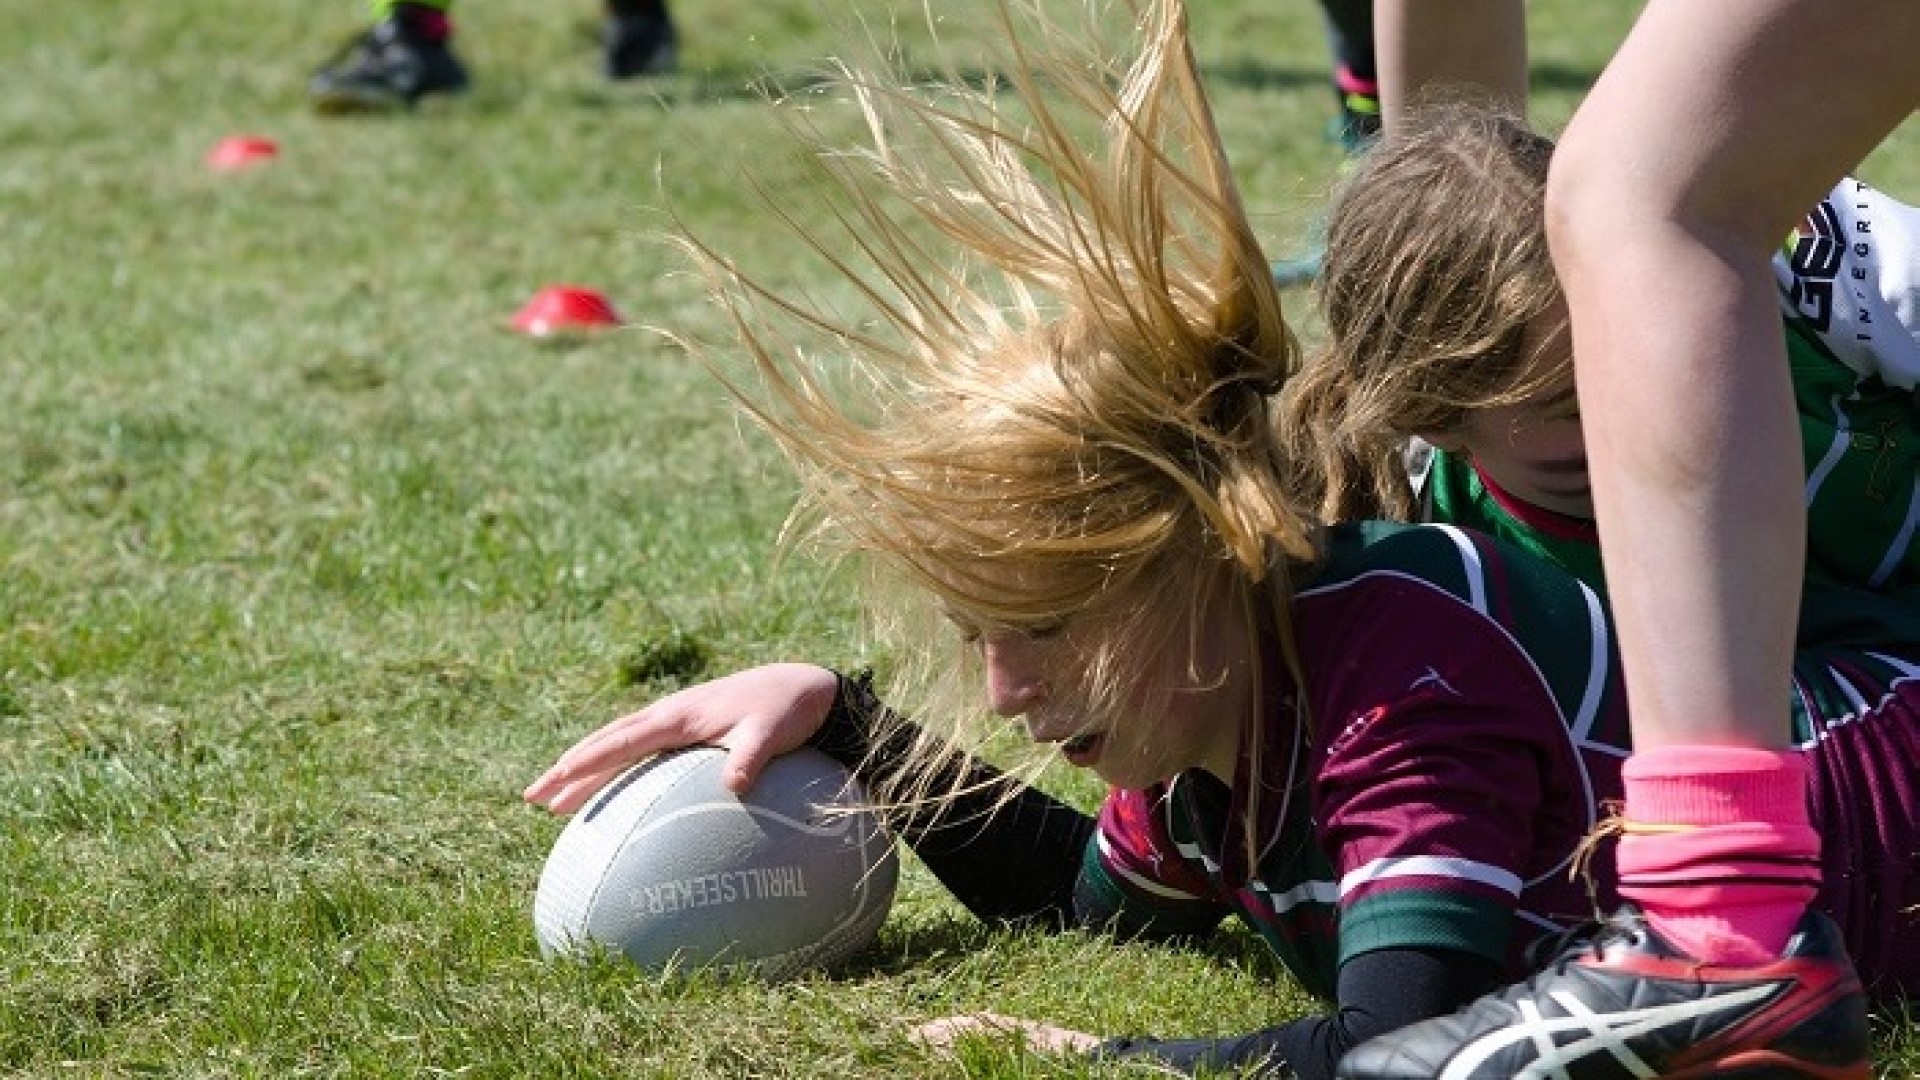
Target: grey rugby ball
(670, 868)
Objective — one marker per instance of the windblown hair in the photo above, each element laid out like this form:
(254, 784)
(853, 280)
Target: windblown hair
(1436, 262)
(1058, 396)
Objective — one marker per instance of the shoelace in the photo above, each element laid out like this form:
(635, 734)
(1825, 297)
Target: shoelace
(1555, 951)
(1574, 939)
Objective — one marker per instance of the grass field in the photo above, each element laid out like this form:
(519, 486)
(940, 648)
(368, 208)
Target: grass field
(307, 565)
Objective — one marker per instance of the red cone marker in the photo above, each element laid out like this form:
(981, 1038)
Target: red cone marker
(565, 308)
(236, 152)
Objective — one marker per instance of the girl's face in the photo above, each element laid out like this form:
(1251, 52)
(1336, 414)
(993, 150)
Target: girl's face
(1533, 449)
(1175, 716)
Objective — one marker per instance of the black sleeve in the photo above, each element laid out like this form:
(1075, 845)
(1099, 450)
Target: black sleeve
(1007, 851)
(1379, 992)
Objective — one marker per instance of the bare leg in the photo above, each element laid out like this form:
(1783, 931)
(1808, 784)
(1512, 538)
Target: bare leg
(1701, 144)
(1438, 49)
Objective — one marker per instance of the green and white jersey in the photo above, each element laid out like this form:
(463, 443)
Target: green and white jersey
(1849, 278)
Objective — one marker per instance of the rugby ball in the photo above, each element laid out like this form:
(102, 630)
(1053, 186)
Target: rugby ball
(668, 867)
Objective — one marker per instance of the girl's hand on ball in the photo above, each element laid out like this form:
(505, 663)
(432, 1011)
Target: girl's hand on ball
(757, 715)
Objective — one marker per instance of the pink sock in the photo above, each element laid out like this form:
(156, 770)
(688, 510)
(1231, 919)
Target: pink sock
(1349, 83)
(1741, 862)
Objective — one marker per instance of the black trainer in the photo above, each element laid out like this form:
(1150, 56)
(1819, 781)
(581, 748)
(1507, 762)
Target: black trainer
(1625, 1003)
(636, 44)
(386, 67)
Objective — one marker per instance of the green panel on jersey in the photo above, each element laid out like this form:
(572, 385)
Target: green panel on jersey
(1419, 918)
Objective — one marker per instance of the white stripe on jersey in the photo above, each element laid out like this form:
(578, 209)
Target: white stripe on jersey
(1858, 707)
(1908, 668)
(1842, 442)
(1470, 563)
(1431, 866)
(1192, 853)
(1599, 634)
(1307, 892)
(1144, 884)
(1857, 703)
(1897, 551)
(1598, 670)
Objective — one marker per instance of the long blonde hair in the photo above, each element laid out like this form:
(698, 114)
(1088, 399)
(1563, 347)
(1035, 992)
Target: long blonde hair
(1436, 262)
(1059, 394)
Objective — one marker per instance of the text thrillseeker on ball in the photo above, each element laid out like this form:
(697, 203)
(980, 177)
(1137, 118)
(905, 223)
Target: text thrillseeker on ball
(734, 886)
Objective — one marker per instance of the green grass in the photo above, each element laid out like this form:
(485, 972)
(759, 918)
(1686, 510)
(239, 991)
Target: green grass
(307, 565)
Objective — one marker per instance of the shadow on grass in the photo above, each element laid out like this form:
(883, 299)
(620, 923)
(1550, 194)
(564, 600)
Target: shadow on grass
(726, 85)
(946, 940)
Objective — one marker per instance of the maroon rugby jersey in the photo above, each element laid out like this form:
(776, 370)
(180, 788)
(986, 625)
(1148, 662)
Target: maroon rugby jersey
(1466, 722)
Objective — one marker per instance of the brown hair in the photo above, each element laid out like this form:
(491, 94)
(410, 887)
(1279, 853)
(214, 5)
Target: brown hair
(1436, 262)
